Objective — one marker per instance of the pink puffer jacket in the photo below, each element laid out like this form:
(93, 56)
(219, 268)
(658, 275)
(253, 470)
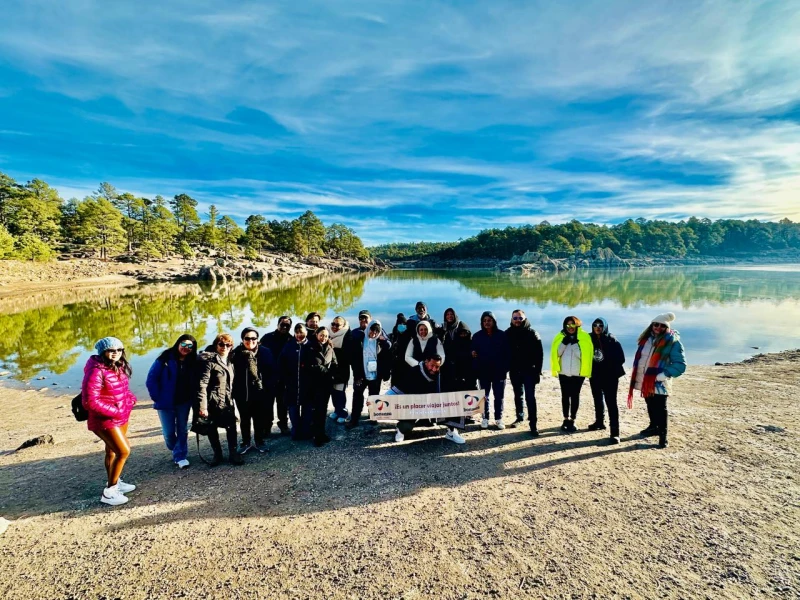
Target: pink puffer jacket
(105, 395)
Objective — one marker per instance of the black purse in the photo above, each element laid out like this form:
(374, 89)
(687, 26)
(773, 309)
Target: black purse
(78, 411)
(202, 425)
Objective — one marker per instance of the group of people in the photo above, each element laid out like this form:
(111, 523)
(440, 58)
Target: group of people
(292, 373)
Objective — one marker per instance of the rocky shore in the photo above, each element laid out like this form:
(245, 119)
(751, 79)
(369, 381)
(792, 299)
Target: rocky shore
(20, 276)
(531, 263)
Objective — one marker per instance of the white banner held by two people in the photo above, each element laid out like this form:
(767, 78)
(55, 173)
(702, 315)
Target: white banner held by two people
(444, 405)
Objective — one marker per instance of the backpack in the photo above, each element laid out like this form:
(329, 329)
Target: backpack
(78, 411)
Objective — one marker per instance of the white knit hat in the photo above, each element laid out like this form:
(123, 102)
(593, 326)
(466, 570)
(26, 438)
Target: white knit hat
(664, 319)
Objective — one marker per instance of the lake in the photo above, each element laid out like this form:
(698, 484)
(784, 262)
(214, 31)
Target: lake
(724, 314)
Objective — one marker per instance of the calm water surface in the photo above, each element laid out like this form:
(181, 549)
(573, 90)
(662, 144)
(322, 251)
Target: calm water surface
(724, 314)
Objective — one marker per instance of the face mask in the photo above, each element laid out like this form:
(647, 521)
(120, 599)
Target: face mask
(401, 328)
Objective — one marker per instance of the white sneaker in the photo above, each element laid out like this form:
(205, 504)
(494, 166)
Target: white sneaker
(341, 420)
(485, 424)
(454, 436)
(182, 464)
(399, 437)
(499, 424)
(112, 496)
(125, 488)
(333, 416)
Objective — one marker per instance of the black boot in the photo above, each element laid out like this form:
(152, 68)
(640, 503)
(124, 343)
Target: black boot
(565, 425)
(217, 448)
(596, 426)
(649, 431)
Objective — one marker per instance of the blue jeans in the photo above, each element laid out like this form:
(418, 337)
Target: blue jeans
(499, 387)
(175, 428)
(339, 400)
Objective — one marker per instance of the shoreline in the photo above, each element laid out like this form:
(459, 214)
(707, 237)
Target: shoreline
(713, 514)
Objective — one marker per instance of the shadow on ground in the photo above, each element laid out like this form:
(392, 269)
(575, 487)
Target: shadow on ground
(358, 467)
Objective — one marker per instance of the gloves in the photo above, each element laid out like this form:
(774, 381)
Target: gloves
(661, 377)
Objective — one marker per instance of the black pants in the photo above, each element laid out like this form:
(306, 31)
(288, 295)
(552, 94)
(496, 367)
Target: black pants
(319, 414)
(213, 439)
(373, 387)
(282, 412)
(570, 395)
(252, 411)
(524, 384)
(604, 393)
(657, 409)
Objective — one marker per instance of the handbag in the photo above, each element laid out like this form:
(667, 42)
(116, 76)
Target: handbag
(78, 410)
(202, 425)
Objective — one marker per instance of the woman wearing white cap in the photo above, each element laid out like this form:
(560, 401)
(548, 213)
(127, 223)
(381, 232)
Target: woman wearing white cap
(108, 400)
(659, 359)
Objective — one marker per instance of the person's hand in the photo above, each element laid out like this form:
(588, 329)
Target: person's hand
(474, 354)
(204, 414)
(661, 377)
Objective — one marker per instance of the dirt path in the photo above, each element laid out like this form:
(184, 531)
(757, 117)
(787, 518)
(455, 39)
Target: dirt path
(564, 516)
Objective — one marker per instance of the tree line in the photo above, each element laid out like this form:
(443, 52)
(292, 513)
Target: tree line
(35, 222)
(632, 238)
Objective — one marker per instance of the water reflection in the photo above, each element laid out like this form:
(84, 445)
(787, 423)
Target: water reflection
(722, 311)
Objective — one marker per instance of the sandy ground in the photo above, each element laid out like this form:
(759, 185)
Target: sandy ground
(564, 516)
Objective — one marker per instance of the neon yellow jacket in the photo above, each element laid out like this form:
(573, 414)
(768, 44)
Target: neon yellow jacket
(587, 353)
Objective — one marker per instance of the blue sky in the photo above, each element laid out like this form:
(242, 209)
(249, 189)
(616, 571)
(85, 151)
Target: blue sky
(412, 120)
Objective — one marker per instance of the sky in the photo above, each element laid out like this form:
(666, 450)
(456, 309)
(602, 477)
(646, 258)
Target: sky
(411, 120)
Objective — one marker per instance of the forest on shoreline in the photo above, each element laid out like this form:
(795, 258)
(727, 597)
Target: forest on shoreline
(37, 224)
(630, 239)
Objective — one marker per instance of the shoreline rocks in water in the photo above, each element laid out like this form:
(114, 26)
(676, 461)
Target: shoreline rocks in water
(599, 258)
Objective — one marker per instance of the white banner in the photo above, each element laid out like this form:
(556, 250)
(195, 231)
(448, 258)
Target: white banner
(425, 406)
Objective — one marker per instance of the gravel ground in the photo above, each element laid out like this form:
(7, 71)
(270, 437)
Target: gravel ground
(564, 516)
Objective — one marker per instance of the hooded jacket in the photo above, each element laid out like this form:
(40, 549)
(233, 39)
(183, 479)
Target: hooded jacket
(105, 395)
(527, 353)
(494, 354)
(215, 389)
(422, 347)
(458, 374)
(586, 348)
(608, 360)
(384, 355)
(323, 368)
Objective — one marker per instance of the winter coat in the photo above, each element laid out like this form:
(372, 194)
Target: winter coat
(105, 395)
(215, 389)
(384, 358)
(246, 387)
(322, 370)
(418, 382)
(421, 348)
(527, 353)
(494, 355)
(275, 341)
(586, 348)
(457, 373)
(674, 365)
(608, 359)
(294, 373)
(163, 378)
(341, 374)
(400, 367)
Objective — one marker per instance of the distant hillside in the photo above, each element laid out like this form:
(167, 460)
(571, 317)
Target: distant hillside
(640, 237)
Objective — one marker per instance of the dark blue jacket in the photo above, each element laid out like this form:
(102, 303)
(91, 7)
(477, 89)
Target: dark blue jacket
(494, 353)
(162, 380)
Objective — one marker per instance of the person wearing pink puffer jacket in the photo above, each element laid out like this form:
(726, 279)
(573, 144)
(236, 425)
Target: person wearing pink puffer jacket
(108, 400)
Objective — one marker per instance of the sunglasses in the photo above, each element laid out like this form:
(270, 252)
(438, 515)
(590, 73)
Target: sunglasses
(187, 345)
(570, 325)
(517, 318)
(285, 325)
(224, 345)
(250, 339)
(115, 349)
(598, 325)
(363, 318)
(334, 326)
(659, 325)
